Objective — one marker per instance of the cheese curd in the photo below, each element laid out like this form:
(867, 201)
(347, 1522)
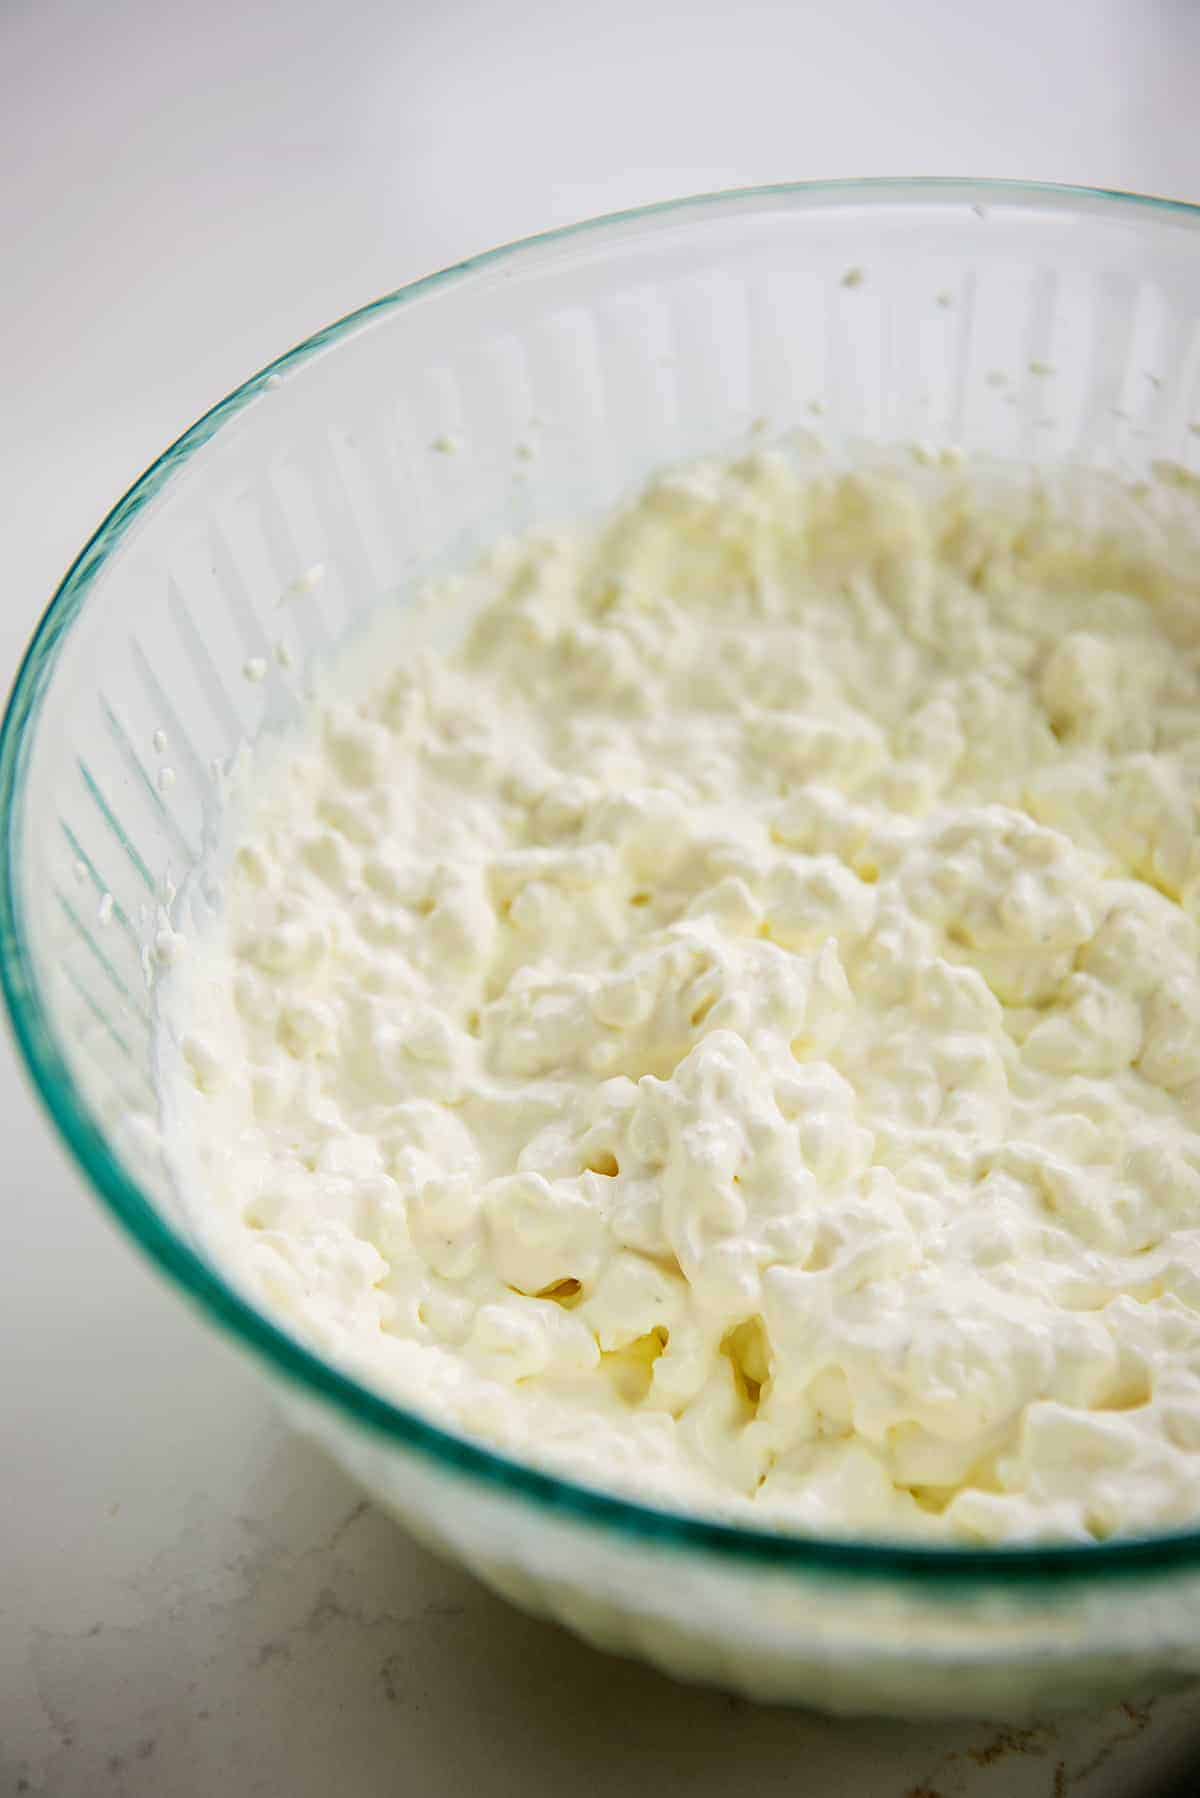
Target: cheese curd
(731, 1032)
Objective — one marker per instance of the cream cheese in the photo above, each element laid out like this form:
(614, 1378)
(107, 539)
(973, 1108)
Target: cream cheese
(731, 1031)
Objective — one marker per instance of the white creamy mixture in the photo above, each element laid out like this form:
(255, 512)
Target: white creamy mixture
(732, 1032)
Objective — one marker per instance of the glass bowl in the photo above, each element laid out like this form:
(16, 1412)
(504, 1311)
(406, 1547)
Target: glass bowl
(1036, 323)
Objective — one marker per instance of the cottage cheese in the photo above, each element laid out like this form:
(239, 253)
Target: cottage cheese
(731, 1033)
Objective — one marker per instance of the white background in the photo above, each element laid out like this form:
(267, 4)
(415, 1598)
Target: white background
(188, 1603)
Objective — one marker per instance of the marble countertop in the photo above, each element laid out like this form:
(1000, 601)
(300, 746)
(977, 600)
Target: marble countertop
(190, 1601)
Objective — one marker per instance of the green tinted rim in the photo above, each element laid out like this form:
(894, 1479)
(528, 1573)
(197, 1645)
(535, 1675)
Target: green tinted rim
(80, 1129)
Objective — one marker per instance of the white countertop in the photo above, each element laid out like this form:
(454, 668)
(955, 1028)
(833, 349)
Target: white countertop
(190, 1602)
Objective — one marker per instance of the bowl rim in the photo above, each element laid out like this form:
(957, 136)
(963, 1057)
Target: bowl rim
(940, 1566)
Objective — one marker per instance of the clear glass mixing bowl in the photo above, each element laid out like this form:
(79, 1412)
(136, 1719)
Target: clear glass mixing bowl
(1019, 321)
